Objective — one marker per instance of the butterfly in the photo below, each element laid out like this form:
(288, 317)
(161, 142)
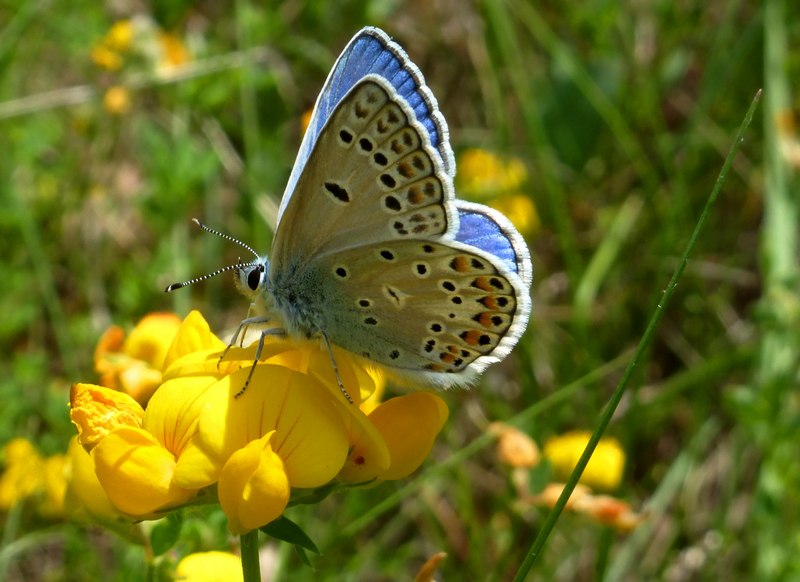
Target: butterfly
(372, 251)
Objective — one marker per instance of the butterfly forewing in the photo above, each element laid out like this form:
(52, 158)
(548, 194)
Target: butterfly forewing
(372, 177)
(372, 52)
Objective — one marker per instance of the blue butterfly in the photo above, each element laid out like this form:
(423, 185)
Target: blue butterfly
(372, 251)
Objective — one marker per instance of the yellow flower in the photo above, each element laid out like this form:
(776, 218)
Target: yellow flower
(135, 451)
(605, 467)
(520, 210)
(51, 504)
(106, 53)
(23, 474)
(305, 120)
(173, 52)
(209, 567)
(85, 498)
(117, 100)
(253, 486)
(291, 429)
(134, 364)
(29, 476)
(482, 174)
(104, 57)
(119, 36)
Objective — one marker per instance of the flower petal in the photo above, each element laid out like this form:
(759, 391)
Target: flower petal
(209, 567)
(192, 336)
(409, 425)
(151, 338)
(96, 411)
(253, 487)
(85, 498)
(311, 437)
(136, 472)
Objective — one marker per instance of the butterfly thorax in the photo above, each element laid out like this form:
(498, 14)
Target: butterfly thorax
(289, 297)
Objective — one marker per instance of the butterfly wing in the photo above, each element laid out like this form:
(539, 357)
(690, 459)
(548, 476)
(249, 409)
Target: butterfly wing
(488, 230)
(372, 52)
(374, 176)
(440, 310)
(370, 247)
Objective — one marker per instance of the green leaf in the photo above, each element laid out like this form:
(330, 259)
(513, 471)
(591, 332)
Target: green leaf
(165, 533)
(286, 530)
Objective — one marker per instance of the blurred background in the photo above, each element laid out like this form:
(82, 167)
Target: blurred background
(599, 128)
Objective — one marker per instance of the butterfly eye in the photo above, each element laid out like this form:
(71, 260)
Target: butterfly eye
(254, 277)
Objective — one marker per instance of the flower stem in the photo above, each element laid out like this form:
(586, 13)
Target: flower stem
(251, 569)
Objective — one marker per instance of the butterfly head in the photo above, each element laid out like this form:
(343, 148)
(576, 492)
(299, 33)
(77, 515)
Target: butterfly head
(252, 278)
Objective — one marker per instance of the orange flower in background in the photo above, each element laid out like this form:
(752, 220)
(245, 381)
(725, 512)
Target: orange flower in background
(291, 429)
(514, 447)
(602, 508)
(133, 364)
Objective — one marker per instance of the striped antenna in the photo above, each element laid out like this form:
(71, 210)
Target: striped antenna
(238, 265)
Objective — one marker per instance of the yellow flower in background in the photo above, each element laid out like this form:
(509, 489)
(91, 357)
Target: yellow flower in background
(520, 210)
(23, 476)
(140, 42)
(117, 100)
(209, 567)
(482, 174)
(305, 120)
(119, 36)
(133, 364)
(605, 468)
(105, 58)
(54, 487)
(173, 51)
(498, 181)
(28, 476)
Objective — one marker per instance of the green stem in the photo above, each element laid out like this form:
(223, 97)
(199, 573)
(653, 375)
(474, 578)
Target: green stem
(251, 569)
(605, 418)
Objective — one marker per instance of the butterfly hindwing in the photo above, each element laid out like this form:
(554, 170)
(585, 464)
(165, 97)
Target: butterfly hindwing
(487, 229)
(445, 310)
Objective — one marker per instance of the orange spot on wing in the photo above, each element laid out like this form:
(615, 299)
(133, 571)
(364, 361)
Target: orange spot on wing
(490, 302)
(460, 264)
(471, 337)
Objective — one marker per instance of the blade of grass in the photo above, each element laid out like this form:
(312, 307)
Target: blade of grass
(647, 337)
(774, 425)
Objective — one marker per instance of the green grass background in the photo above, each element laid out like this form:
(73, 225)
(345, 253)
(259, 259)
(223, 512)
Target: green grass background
(622, 112)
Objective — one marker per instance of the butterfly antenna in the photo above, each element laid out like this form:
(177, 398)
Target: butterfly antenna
(238, 265)
(225, 236)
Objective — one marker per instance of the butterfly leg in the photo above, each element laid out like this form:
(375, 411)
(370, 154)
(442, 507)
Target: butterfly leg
(274, 331)
(241, 330)
(335, 367)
